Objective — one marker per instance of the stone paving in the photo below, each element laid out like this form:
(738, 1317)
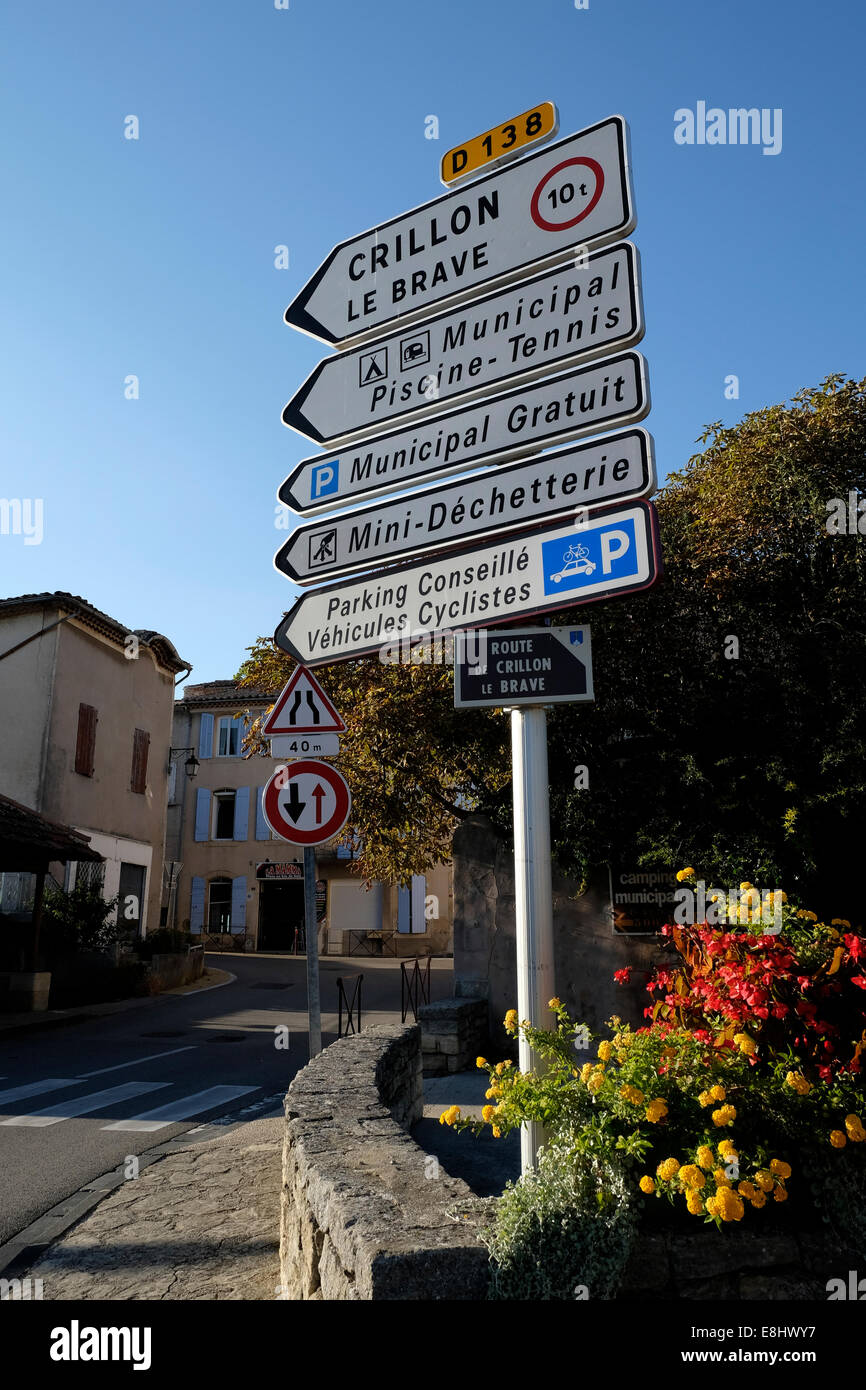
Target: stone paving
(200, 1223)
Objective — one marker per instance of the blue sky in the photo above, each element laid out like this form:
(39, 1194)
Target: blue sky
(261, 127)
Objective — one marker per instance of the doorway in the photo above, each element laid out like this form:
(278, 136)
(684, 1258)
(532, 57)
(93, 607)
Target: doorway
(281, 910)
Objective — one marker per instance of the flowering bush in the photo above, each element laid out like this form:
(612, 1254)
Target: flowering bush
(747, 1074)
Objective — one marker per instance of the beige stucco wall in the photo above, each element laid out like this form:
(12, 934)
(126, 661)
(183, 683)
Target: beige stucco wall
(128, 695)
(25, 699)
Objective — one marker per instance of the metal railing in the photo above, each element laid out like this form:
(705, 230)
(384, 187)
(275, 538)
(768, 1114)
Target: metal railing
(414, 988)
(351, 1004)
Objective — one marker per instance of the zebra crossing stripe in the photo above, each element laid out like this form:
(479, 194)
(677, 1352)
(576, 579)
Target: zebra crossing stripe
(184, 1109)
(36, 1088)
(83, 1105)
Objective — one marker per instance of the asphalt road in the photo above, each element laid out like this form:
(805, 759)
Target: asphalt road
(77, 1101)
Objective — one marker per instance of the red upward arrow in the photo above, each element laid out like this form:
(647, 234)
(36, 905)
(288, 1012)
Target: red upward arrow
(317, 794)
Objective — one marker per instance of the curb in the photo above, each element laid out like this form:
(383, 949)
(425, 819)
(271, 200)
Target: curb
(87, 1012)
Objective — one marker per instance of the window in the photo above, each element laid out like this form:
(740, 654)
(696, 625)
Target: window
(86, 744)
(138, 775)
(224, 815)
(219, 905)
(89, 876)
(229, 737)
(411, 903)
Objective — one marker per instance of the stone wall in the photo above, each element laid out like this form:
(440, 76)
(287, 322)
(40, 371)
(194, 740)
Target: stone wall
(734, 1264)
(453, 1032)
(364, 1213)
(587, 951)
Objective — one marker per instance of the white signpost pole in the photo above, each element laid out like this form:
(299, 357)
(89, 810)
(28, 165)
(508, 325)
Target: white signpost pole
(311, 926)
(533, 890)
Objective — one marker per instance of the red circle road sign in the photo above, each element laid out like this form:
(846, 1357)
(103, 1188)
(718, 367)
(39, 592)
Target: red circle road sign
(541, 221)
(306, 802)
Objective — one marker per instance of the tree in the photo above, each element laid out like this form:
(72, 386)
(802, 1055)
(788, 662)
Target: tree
(728, 726)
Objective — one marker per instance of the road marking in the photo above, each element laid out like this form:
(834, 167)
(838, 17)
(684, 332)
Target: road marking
(154, 1056)
(36, 1088)
(83, 1105)
(150, 1120)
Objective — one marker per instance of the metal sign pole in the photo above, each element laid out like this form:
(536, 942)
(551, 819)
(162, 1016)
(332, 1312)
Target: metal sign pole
(312, 927)
(533, 889)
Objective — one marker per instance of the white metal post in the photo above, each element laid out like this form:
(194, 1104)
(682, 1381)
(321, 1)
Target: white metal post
(532, 888)
(311, 928)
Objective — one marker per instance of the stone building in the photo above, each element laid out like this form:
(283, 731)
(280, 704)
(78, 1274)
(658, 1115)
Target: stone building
(228, 875)
(87, 704)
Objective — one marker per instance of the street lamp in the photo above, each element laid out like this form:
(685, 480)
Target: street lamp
(191, 765)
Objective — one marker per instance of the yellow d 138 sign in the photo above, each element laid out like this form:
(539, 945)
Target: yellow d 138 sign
(499, 145)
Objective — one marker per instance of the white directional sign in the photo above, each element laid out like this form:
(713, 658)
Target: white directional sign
(302, 707)
(584, 400)
(544, 569)
(305, 746)
(306, 802)
(549, 485)
(575, 312)
(574, 192)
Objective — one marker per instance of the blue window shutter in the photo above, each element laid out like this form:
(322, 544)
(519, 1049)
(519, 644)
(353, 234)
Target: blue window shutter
(205, 737)
(419, 902)
(242, 814)
(202, 814)
(262, 831)
(403, 901)
(196, 906)
(239, 902)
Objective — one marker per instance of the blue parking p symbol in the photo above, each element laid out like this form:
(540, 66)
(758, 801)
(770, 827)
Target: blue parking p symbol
(325, 479)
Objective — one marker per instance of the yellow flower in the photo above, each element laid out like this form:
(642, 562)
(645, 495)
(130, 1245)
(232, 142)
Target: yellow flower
(685, 873)
(586, 1071)
(745, 1043)
(511, 1020)
(744, 887)
(780, 1195)
(759, 1199)
(854, 1128)
(764, 1179)
(713, 1206)
(727, 1149)
(646, 1184)
(497, 1133)
(450, 1115)
(837, 1139)
(729, 1204)
(718, 1093)
(656, 1110)
(632, 1094)
(797, 1081)
(725, 1116)
(605, 1051)
(668, 1169)
(493, 1092)
(705, 1157)
(595, 1083)
(746, 1189)
(781, 1170)
(554, 1003)
(694, 1203)
(481, 1061)
(705, 1098)
(500, 1067)
(721, 1177)
(691, 1176)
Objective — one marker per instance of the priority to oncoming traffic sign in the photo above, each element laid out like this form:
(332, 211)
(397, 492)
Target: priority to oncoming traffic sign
(306, 802)
(576, 191)
(576, 312)
(548, 485)
(584, 400)
(614, 551)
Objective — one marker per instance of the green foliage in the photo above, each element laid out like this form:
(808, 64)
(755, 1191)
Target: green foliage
(165, 940)
(569, 1223)
(81, 920)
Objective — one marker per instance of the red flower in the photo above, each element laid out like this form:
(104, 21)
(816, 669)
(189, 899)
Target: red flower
(859, 981)
(855, 946)
(622, 977)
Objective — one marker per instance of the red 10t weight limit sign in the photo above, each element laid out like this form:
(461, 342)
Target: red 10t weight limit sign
(306, 802)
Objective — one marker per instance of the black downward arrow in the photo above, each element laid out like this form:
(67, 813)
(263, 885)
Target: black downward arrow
(294, 805)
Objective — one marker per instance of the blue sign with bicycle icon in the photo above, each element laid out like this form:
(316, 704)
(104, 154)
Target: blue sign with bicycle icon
(589, 556)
